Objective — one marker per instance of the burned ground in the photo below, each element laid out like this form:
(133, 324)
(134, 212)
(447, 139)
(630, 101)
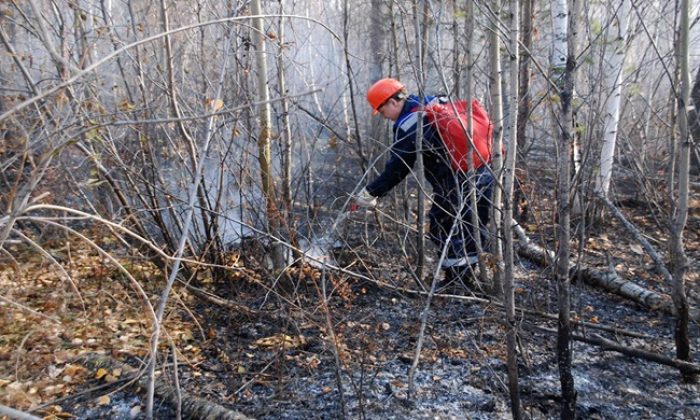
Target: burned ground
(279, 360)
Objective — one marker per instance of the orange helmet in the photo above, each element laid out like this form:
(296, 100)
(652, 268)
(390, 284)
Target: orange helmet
(382, 91)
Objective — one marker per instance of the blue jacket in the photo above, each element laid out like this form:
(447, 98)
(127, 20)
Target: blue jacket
(436, 163)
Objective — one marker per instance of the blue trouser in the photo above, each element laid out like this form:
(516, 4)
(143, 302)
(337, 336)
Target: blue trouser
(461, 245)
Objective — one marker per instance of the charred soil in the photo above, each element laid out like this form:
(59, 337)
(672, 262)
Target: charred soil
(322, 344)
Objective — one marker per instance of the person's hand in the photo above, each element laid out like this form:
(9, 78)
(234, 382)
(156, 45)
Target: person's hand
(365, 199)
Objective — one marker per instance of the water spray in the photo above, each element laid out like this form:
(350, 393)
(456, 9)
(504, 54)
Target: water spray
(319, 249)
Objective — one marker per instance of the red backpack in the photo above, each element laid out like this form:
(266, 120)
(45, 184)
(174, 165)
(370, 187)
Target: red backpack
(453, 131)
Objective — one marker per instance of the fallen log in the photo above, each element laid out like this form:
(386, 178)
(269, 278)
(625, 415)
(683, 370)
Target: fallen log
(192, 407)
(605, 279)
(610, 281)
(11, 413)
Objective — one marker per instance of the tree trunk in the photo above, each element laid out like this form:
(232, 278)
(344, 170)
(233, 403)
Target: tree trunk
(613, 64)
(525, 98)
(376, 41)
(286, 133)
(495, 85)
(456, 50)
(421, 35)
(264, 152)
(694, 124)
(377, 56)
(563, 66)
(351, 87)
(508, 203)
(471, 175)
(678, 256)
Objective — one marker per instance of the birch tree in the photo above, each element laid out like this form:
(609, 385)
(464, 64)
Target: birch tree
(612, 69)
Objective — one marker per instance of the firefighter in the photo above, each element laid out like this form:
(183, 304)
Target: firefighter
(390, 98)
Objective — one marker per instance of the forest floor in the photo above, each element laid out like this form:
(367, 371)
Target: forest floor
(283, 361)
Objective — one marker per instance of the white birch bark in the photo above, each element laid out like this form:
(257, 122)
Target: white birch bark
(560, 27)
(613, 64)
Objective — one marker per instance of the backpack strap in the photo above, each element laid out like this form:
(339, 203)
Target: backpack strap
(409, 121)
(411, 118)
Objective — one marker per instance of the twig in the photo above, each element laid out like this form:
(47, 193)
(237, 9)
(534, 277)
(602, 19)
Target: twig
(15, 263)
(334, 340)
(212, 298)
(19, 353)
(426, 310)
(660, 265)
(30, 310)
(119, 381)
(50, 257)
(91, 68)
(614, 330)
(606, 344)
(504, 386)
(178, 394)
(153, 247)
(112, 259)
(497, 303)
(245, 385)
